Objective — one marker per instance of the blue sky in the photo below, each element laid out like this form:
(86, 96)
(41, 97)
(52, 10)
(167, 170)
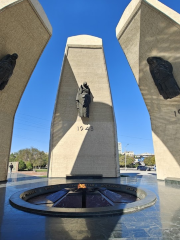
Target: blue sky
(97, 18)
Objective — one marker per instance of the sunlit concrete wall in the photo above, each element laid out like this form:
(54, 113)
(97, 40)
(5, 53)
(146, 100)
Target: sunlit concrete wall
(149, 28)
(25, 30)
(83, 145)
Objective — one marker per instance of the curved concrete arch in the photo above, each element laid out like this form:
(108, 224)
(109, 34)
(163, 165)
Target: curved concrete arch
(148, 28)
(25, 30)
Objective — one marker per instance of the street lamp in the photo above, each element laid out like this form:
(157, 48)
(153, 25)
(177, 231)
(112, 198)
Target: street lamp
(125, 155)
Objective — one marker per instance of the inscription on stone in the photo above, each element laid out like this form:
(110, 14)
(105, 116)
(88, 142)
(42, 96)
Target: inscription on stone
(88, 128)
(28, 194)
(131, 189)
(177, 111)
(50, 187)
(142, 196)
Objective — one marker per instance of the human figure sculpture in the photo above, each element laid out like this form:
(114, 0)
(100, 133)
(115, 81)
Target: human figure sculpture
(83, 99)
(161, 72)
(7, 65)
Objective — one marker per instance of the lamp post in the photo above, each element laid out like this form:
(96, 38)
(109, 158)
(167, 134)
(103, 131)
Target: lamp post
(125, 155)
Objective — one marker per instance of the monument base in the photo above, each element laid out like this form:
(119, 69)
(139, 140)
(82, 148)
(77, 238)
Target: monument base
(84, 176)
(172, 182)
(5, 181)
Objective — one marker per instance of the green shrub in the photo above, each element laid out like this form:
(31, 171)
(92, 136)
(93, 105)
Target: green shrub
(137, 164)
(21, 166)
(150, 161)
(29, 166)
(36, 157)
(129, 161)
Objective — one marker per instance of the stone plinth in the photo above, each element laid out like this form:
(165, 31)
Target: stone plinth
(83, 146)
(148, 28)
(172, 182)
(25, 30)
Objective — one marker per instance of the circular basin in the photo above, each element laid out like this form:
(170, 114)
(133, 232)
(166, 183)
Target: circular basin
(96, 199)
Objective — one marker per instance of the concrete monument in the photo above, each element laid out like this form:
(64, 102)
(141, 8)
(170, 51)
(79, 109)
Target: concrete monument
(148, 33)
(25, 30)
(83, 131)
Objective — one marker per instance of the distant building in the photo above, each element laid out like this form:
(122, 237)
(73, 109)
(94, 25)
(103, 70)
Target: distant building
(129, 153)
(144, 155)
(119, 148)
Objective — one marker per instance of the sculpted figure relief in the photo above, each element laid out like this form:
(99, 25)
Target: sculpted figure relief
(7, 65)
(83, 100)
(161, 71)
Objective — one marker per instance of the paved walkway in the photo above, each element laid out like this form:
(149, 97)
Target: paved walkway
(161, 221)
(29, 173)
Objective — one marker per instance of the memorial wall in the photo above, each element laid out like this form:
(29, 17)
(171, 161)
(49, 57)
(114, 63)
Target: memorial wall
(83, 131)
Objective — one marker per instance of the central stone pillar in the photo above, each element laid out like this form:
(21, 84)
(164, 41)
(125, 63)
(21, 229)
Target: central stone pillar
(83, 145)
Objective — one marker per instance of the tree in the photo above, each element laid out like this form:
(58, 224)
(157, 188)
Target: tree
(129, 161)
(150, 161)
(22, 165)
(12, 157)
(29, 166)
(33, 155)
(136, 164)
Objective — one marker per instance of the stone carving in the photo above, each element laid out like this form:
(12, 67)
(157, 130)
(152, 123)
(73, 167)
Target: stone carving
(7, 65)
(83, 99)
(161, 71)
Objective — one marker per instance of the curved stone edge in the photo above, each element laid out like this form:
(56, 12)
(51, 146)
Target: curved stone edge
(86, 41)
(134, 6)
(36, 7)
(147, 197)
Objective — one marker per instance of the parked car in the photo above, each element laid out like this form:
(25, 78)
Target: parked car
(139, 167)
(143, 168)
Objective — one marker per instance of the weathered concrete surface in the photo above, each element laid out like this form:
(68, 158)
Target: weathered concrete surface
(25, 30)
(149, 28)
(72, 150)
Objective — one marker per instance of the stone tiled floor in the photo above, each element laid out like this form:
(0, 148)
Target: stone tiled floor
(161, 221)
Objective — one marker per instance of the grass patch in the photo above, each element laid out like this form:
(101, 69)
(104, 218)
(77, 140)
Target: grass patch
(40, 170)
